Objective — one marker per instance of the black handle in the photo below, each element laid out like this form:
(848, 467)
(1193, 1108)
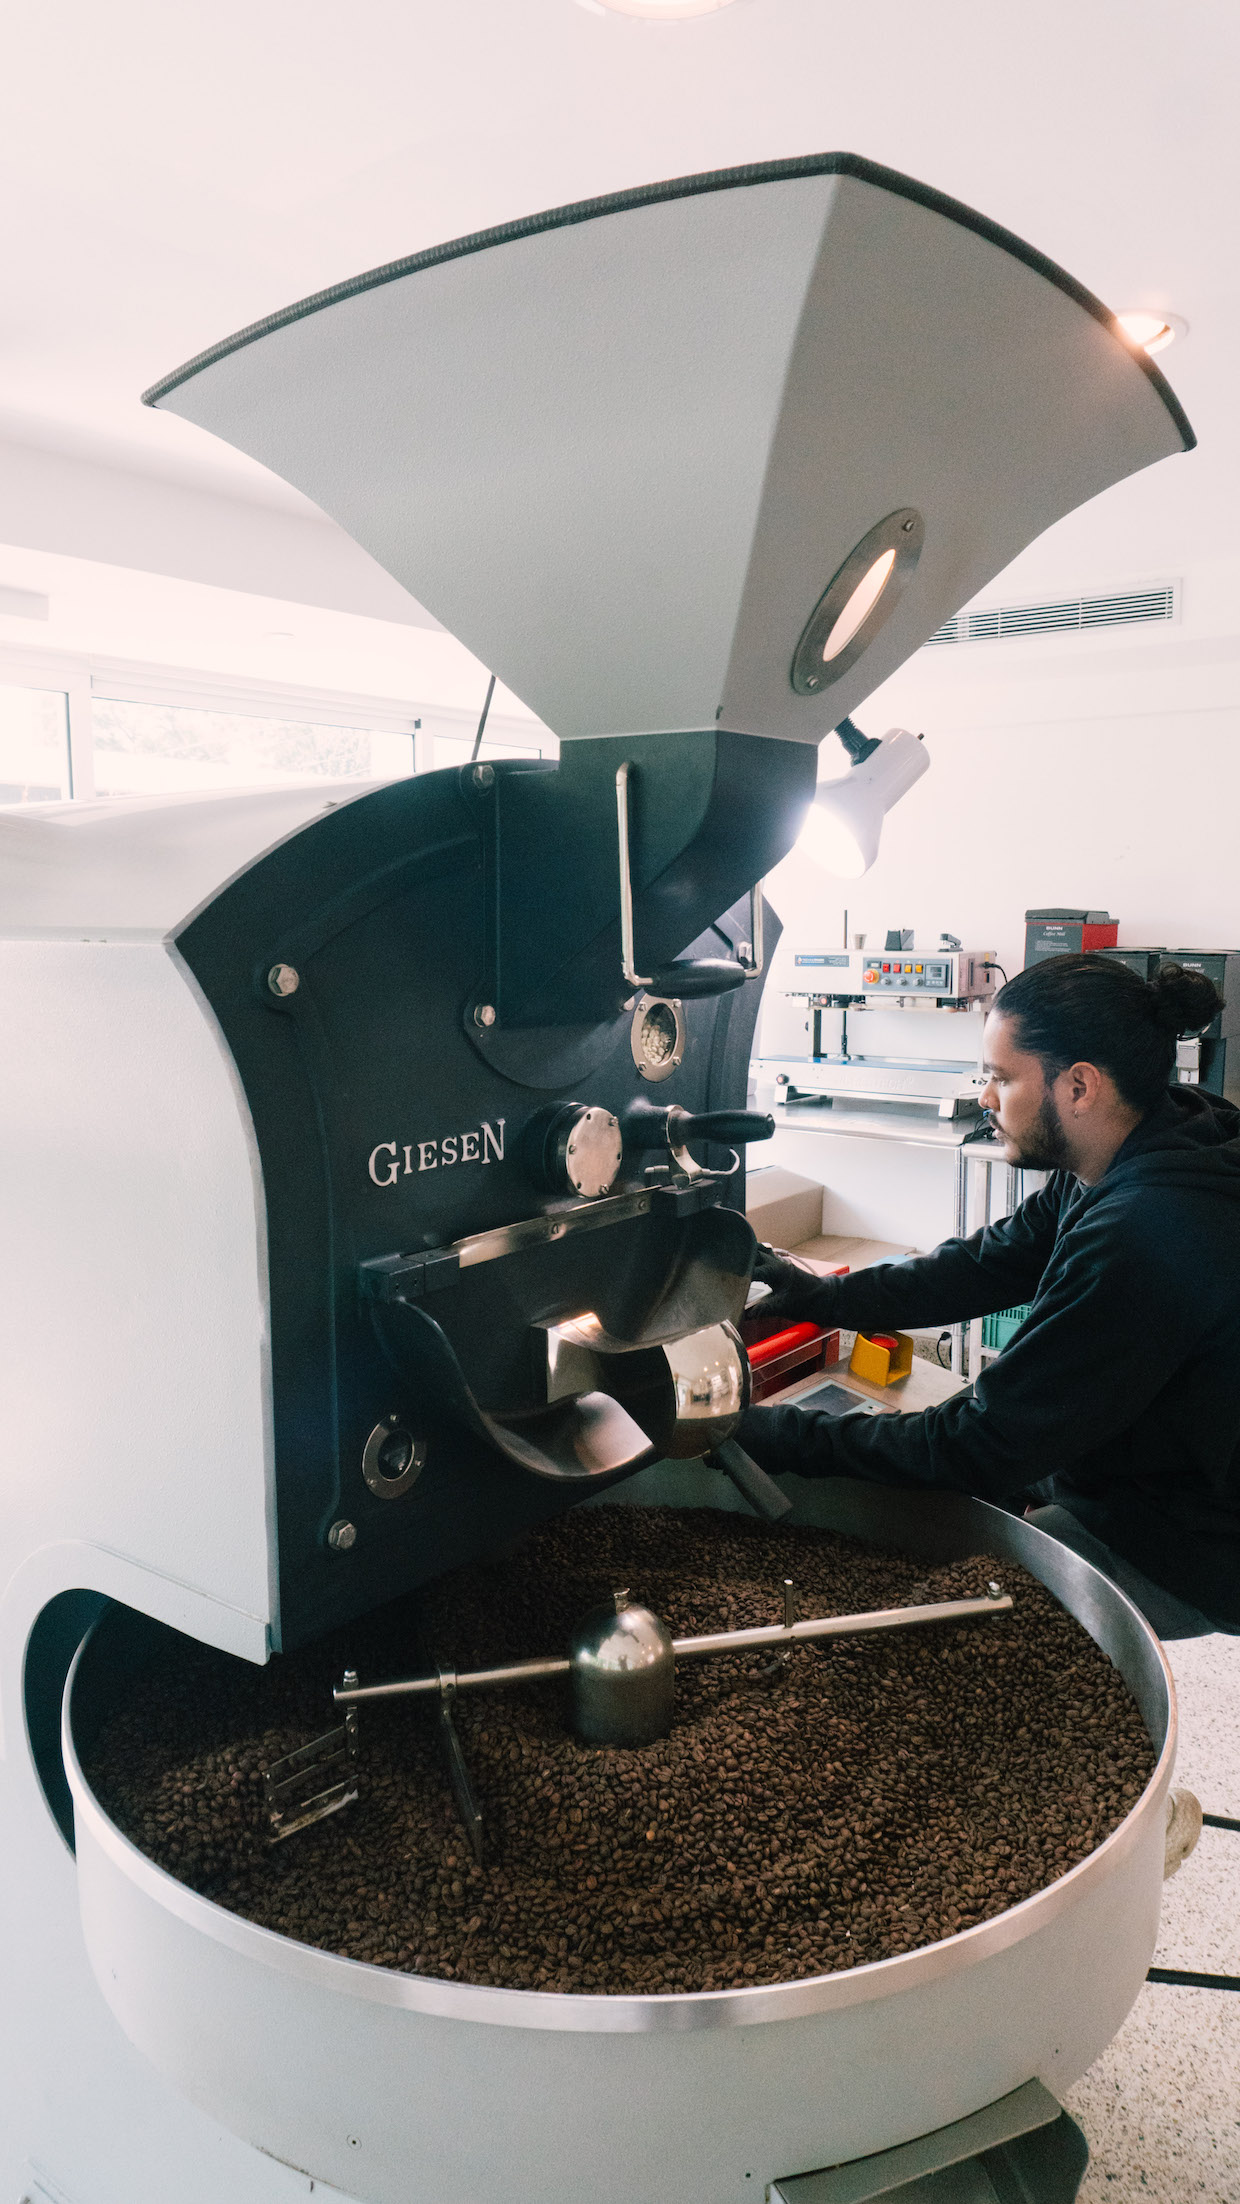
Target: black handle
(731, 1128)
(643, 1125)
(761, 1491)
(704, 976)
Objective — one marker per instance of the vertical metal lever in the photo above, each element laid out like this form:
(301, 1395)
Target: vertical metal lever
(706, 976)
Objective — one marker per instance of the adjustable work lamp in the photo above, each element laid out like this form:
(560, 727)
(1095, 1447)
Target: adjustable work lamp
(845, 820)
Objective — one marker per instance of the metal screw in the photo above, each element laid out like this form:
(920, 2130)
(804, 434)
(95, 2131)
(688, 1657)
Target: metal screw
(484, 1013)
(341, 1536)
(393, 1420)
(993, 1590)
(283, 979)
(484, 776)
(812, 681)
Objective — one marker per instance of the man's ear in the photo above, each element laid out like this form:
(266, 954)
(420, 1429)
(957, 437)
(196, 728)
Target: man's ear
(1087, 1086)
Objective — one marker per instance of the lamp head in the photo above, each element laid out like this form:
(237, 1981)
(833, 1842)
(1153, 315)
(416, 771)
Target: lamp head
(844, 822)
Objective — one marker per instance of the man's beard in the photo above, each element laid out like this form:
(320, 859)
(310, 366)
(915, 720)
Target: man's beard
(1045, 1145)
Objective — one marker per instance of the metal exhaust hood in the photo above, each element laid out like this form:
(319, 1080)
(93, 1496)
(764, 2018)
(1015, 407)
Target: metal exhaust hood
(622, 449)
(692, 469)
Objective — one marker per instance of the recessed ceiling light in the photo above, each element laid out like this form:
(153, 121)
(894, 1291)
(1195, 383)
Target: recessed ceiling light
(654, 11)
(1150, 328)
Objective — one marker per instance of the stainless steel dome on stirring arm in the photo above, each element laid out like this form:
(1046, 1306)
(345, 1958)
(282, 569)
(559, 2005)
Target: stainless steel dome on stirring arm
(372, 1169)
(626, 1646)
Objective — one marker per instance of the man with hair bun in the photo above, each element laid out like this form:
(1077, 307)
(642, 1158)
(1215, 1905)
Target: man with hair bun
(1113, 1415)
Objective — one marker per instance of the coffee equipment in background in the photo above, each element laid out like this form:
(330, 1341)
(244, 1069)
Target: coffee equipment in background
(1144, 962)
(1202, 1059)
(1061, 932)
(1211, 1059)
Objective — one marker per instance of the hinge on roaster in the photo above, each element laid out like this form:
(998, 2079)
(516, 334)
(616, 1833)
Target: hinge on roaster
(295, 1793)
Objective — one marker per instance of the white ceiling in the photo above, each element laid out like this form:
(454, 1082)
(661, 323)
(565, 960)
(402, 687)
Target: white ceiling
(171, 173)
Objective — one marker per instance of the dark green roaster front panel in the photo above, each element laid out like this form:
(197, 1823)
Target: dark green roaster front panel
(383, 1129)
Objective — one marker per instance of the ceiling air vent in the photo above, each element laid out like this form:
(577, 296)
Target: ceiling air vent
(1065, 616)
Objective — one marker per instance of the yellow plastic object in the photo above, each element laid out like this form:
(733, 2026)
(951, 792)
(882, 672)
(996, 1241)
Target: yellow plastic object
(878, 1365)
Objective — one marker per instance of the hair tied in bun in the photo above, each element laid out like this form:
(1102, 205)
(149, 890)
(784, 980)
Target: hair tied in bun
(1183, 1000)
(1092, 1009)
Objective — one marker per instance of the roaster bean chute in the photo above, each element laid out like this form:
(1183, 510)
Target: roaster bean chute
(373, 1158)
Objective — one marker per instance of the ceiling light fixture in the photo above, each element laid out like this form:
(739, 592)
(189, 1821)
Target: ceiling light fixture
(654, 11)
(845, 820)
(1150, 328)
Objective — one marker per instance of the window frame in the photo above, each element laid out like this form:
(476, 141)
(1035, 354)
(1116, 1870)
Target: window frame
(82, 679)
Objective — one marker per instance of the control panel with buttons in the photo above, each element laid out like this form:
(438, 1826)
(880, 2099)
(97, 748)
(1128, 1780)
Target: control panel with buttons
(957, 975)
(930, 976)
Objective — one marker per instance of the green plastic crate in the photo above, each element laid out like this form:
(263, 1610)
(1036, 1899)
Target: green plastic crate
(997, 1330)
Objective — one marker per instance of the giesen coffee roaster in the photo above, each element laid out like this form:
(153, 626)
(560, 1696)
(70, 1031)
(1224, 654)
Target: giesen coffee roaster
(371, 1179)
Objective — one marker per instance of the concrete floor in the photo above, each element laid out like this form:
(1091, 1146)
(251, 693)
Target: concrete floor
(1161, 2108)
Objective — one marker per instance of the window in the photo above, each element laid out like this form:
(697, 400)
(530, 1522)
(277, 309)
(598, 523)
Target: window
(34, 746)
(459, 749)
(144, 749)
(73, 728)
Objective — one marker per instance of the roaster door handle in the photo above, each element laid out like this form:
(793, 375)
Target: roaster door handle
(700, 976)
(643, 1125)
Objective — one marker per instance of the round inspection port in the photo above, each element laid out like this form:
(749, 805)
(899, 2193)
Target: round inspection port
(858, 601)
(392, 1459)
(657, 1037)
(590, 1151)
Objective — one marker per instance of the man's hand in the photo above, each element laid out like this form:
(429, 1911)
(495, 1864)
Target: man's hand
(798, 1291)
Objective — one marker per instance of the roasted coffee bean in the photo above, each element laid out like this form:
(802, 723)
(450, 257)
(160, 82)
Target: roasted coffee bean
(875, 1794)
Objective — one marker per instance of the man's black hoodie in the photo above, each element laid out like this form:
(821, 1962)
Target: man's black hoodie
(1119, 1397)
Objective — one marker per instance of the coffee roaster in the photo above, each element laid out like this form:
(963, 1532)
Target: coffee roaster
(373, 1158)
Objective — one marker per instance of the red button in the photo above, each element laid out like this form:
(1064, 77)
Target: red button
(886, 968)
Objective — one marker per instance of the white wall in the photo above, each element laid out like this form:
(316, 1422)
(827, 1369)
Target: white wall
(1100, 771)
